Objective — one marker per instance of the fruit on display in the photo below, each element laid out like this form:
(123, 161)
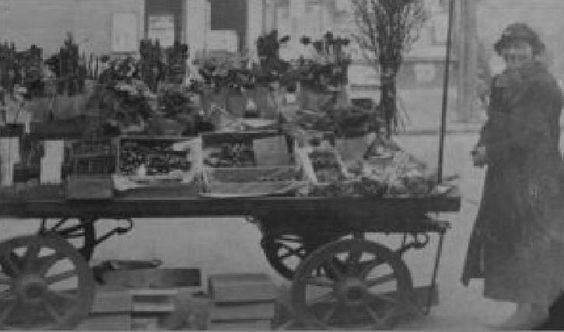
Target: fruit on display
(326, 166)
(231, 155)
(152, 157)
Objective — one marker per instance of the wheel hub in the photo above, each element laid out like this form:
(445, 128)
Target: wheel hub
(31, 288)
(352, 292)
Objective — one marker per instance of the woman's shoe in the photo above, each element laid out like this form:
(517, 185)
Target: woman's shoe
(522, 310)
(526, 317)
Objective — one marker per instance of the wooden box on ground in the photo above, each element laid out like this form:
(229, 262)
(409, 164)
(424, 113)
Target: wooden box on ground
(164, 309)
(109, 300)
(154, 278)
(106, 322)
(111, 310)
(249, 325)
(153, 300)
(241, 288)
(242, 311)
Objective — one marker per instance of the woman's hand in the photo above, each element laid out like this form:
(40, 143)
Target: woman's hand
(479, 156)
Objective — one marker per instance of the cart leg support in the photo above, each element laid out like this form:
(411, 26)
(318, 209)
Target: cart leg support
(435, 273)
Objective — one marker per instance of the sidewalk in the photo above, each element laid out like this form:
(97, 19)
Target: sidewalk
(451, 128)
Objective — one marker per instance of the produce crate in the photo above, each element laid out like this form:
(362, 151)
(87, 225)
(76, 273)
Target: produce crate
(314, 139)
(246, 149)
(163, 158)
(255, 174)
(254, 163)
(92, 157)
(256, 181)
(321, 165)
(86, 147)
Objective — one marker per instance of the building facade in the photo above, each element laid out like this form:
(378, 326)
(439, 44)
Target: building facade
(117, 26)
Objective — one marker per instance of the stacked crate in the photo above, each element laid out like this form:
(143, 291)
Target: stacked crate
(144, 299)
(111, 311)
(151, 306)
(241, 302)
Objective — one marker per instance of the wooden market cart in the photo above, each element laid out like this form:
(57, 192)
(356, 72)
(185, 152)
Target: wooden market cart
(309, 229)
(325, 235)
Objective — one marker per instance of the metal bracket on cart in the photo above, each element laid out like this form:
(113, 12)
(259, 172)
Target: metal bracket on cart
(116, 231)
(417, 241)
(82, 228)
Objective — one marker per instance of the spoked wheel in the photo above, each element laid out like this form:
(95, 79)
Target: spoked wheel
(48, 286)
(369, 288)
(285, 252)
(80, 233)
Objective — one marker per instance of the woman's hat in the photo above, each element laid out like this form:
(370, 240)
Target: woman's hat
(519, 32)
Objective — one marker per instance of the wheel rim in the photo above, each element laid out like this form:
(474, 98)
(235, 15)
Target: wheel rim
(369, 288)
(49, 286)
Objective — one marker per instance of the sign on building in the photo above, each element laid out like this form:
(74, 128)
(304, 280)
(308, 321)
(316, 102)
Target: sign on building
(161, 28)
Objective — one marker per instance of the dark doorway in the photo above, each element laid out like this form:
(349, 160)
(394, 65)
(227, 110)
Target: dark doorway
(230, 15)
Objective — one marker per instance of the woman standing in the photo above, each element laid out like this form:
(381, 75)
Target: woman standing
(517, 245)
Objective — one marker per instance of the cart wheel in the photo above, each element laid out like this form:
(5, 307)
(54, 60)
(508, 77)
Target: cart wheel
(370, 288)
(49, 286)
(81, 235)
(285, 252)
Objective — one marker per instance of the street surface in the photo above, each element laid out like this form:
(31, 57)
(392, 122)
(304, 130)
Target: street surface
(232, 245)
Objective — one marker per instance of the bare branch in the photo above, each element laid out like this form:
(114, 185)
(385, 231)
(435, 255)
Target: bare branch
(387, 29)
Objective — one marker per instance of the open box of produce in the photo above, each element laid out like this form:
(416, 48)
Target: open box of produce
(159, 163)
(366, 166)
(248, 164)
(403, 174)
(322, 165)
(245, 149)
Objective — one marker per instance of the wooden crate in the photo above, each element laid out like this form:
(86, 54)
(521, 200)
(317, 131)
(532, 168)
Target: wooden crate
(250, 325)
(111, 310)
(241, 288)
(303, 158)
(153, 301)
(255, 181)
(89, 187)
(163, 278)
(106, 322)
(111, 301)
(192, 146)
(242, 311)
(268, 147)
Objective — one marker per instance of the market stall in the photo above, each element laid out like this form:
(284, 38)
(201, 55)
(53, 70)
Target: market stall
(236, 142)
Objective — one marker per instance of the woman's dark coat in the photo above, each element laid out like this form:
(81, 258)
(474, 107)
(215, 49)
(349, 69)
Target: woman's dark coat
(517, 244)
